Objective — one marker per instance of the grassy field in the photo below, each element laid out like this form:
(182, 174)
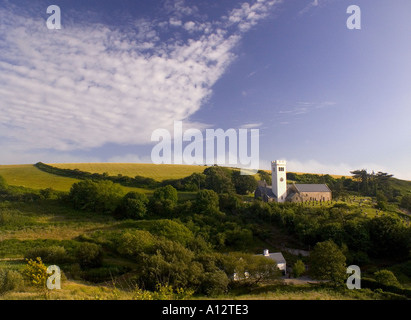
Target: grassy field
(149, 170)
(30, 177)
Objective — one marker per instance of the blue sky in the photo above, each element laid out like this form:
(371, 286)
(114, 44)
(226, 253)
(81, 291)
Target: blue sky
(325, 98)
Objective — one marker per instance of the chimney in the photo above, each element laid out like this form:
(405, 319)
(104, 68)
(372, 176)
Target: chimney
(266, 252)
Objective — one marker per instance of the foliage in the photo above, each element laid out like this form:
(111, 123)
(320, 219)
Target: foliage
(219, 179)
(89, 255)
(134, 243)
(171, 264)
(51, 255)
(36, 272)
(327, 262)
(132, 206)
(207, 202)
(388, 237)
(406, 202)
(164, 201)
(100, 196)
(298, 268)
(10, 280)
(386, 278)
(243, 184)
(162, 292)
(169, 229)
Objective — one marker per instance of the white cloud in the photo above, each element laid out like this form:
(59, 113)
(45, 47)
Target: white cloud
(87, 84)
(251, 125)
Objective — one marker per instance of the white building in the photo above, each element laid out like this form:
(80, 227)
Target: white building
(278, 258)
(279, 191)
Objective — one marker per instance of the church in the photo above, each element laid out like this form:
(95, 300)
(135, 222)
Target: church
(279, 191)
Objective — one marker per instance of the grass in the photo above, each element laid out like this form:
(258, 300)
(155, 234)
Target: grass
(30, 177)
(156, 172)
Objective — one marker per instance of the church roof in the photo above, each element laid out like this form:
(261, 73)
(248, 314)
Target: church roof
(312, 187)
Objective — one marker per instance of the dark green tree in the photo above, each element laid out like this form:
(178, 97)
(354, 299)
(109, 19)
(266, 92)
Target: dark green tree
(100, 196)
(207, 201)
(132, 206)
(327, 262)
(243, 183)
(164, 201)
(219, 180)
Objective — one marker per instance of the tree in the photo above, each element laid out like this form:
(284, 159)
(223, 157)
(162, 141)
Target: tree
(207, 201)
(135, 243)
(243, 183)
(171, 264)
(327, 262)
(298, 268)
(101, 196)
(164, 200)
(219, 180)
(362, 177)
(388, 237)
(132, 206)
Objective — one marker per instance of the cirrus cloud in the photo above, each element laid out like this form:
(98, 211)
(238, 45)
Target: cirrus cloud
(90, 84)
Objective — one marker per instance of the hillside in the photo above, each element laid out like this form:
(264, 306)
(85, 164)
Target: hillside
(208, 229)
(149, 170)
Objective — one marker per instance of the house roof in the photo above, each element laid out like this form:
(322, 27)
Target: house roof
(312, 187)
(265, 189)
(276, 256)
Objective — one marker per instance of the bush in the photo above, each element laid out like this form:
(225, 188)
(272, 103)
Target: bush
(132, 206)
(102, 196)
(164, 201)
(386, 278)
(298, 268)
(89, 255)
(51, 255)
(207, 202)
(10, 280)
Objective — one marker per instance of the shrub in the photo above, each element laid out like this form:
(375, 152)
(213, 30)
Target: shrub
(386, 278)
(132, 206)
(10, 280)
(102, 196)
(164, 201)
(89, 255)
(51, 255)
(298, 268)
(214, 283)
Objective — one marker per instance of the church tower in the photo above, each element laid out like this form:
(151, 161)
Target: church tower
(279, 179)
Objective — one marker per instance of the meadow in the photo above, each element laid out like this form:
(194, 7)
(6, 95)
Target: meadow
(156, 172)
(26, 225)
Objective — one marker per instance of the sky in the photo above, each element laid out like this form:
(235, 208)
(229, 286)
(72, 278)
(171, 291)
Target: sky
(326, 98)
